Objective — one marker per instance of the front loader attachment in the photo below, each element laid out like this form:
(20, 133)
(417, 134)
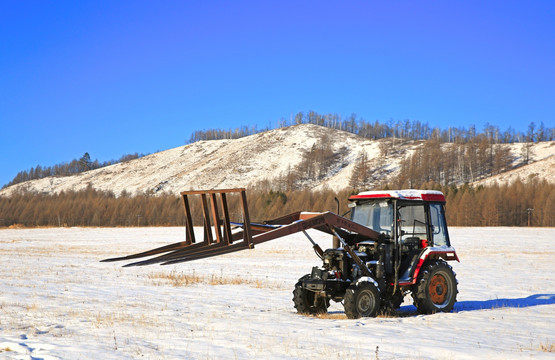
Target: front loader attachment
(222, 236)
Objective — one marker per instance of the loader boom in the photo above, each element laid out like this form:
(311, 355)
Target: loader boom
(222, 236)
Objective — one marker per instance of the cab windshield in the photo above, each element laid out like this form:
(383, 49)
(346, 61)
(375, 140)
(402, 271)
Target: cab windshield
(377, 215)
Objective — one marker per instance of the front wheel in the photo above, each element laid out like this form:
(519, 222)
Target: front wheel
(308, 302)
(435, 289)
(362, 299)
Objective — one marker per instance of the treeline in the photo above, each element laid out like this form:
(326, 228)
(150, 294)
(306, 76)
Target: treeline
(518, 204)
(220, 134)
(405, 129)
(92, 207)
(89, 207)
(73, 167)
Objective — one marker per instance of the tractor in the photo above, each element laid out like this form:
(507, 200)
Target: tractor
(394, 243)
(373, 274)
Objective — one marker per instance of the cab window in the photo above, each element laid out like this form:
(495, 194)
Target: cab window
(412, 221)
(376, 215)
(441, 238)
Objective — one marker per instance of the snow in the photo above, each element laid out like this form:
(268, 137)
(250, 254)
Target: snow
(367, 279)
(411, 194)
(59, 302)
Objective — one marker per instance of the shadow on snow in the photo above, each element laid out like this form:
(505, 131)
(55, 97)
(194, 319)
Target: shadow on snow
(471, 305)
(468, 305)
(532, 300)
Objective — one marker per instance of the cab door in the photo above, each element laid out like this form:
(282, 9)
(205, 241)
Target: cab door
(440, 235)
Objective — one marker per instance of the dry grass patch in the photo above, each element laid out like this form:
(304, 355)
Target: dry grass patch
(332, 316)
(342, 316)
(176, 279)
(179, 279)
(537, 252)
(550, 347)
(19, 305)
(104, 319)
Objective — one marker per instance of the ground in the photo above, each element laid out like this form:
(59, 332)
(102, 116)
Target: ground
(59, 302)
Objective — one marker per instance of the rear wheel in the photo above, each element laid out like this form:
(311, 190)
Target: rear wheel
(308, 302)
(361, 300)
(436, 288)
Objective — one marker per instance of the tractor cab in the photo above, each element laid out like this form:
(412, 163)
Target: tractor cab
(414, 218)
(412, 224)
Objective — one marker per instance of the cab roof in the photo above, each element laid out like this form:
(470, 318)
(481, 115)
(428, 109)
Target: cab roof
(407, 194)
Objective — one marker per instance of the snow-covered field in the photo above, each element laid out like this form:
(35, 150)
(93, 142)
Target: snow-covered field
(58, 301)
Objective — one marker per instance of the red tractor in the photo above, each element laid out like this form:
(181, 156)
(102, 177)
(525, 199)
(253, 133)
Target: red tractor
(408, 254)
(396, 242)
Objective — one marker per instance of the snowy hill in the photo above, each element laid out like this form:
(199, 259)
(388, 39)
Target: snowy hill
(267, 156)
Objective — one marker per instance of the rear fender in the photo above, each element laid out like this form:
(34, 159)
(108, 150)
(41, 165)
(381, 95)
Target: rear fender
(432, 253)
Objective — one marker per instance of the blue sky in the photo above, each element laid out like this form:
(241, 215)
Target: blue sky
(117, 77)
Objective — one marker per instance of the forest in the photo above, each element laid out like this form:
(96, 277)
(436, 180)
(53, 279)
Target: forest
(530, 203)
(449, 163)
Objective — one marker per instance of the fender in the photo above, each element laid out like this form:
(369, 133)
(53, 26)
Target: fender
(443, 252)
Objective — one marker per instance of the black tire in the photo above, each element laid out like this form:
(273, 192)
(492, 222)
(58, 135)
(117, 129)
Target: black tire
(436, 288)
(361, 300)
(304, 300)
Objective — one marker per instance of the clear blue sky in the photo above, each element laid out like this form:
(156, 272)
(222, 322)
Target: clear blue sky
(117, 77)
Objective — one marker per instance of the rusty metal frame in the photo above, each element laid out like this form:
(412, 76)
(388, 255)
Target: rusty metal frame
(230, 237)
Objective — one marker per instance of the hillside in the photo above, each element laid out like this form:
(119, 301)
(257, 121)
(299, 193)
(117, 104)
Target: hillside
(265, 157)
(541, 167)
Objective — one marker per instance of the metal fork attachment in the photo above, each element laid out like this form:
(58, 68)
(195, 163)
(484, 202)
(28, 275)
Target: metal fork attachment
(222, 236)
